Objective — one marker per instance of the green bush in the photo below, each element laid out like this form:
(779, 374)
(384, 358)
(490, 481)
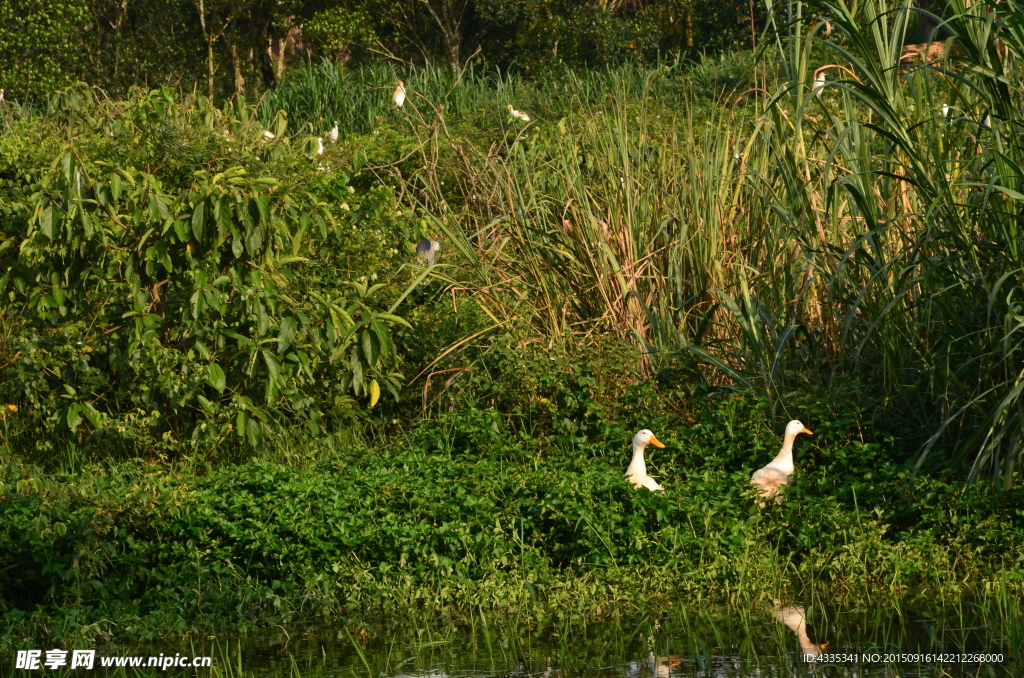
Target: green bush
(172, 278)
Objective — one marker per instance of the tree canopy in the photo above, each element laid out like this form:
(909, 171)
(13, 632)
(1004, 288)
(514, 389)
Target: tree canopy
(235, 47)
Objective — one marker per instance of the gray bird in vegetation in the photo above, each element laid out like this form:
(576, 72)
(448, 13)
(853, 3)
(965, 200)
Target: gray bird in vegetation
(427, 248)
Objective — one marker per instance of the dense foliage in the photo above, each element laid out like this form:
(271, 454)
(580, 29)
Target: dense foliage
(465, 512)
(172, 277)
(201, 311)
(239, 47)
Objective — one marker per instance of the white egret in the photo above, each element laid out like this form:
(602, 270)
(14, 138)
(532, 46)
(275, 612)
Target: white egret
(518, 114)
(319, 145)
(268, 135)
(399, 96)
(636, 473)
(819, 85)
(333, 134)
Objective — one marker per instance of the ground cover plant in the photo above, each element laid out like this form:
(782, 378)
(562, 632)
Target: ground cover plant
(465, 513)
(257, 407)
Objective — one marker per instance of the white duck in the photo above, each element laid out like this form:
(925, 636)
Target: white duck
(333, 134)
(637, 471)
(795, 619)
(776, 474)
(399, 96)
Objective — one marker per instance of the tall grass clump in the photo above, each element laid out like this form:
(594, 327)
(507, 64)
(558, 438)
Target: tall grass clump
(359, 99)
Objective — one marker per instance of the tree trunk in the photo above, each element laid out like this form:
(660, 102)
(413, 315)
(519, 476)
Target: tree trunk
(201, 6)
(264, 47)
(689, 28)
(209, 65)
(238, 80)
(449, 22)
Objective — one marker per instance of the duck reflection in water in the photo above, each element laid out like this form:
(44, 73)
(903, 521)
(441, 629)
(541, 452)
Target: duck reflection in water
(794, 618)
(656, 667)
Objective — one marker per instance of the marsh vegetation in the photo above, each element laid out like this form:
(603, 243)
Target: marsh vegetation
(237, 399)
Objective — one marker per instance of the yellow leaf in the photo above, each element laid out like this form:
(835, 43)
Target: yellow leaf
(374, 392)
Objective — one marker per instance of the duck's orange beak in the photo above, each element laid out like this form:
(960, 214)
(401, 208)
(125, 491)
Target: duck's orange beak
(656, 442)
(806, 431)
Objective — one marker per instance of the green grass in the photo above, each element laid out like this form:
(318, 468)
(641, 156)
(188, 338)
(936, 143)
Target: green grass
(317, 94)
(466, 516)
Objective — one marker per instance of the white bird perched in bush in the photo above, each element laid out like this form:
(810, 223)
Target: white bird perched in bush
(399, 96)
(333, 134)
(636, 473)
(945, 111)
(819, 85)
(319, 145)
(268, 135)
(427, 248)
(776, 474)
(518, 114)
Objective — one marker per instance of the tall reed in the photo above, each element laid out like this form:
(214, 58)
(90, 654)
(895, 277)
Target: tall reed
(795, 235)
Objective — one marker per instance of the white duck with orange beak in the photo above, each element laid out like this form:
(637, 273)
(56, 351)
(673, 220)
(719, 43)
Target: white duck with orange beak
(637, 471)
(772, 477)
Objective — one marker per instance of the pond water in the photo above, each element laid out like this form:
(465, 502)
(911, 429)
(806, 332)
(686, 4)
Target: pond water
(767, 640)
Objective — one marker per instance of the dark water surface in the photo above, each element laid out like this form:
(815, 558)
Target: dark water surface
(762, 640)
(769, 640)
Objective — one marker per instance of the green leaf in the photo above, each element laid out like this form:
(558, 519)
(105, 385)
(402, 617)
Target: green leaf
(73, 417)
(273, 377)
(199, 221)
(369, 345)
(383, 336)
(208, 406)
(286, 334)
(46, 222)
(182, 231)
(216, 377)
(393, 318)
(203, 350)
(356, 363)
(242, 423)
(263, 204)
(161, 207)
